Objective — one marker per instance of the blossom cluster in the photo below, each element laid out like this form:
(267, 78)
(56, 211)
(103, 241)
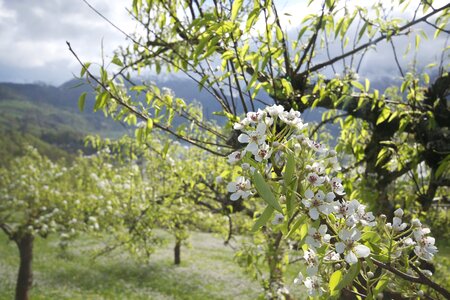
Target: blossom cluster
(335, 225)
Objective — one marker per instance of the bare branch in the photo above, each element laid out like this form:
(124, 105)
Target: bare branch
(374, 42)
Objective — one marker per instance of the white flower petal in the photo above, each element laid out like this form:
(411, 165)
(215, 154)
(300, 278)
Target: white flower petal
(231, 187)
(362, 251)
(309, 194)
(351, 258)
(243, 138)
(314, 213)
(234, 196)
(340, 247)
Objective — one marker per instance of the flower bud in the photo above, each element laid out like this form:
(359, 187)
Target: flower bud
(282, 198)
(370, 275)
(427, 273)
(398, 213)
(245, 166)
(219, 179)
(416, 223)
(380, 296)
(420, 293)
(337, 266)
(383, 217)
(275, 144)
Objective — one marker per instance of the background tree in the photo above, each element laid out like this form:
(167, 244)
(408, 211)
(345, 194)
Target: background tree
(35, 201)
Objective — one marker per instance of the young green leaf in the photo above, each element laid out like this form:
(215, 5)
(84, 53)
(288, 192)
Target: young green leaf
(81, 101)
(349, 276)
(265, 192)
(262, 220)
(335, 278)
(237, 4)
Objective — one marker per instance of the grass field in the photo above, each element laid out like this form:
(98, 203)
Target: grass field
(207, 272)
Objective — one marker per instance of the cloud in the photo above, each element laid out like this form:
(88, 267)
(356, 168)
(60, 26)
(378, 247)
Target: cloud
(34, 36)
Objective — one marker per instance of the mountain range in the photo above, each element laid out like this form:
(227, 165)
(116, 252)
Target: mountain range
(48, 117)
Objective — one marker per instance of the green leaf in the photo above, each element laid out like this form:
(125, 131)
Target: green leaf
(149, 124)
(265, 192)
(296, 225)
(81, 101)
(237, 4)
(371, 236)
(303, 230)
(358, 85)
(443, 167)
(165, 149)
(363, 29)
(385, 113)
(288, 188)
(383, 152)
(84, 68)
(381, 284)
(335, 278)
(349, 276)
(279, 34)
(263, 218)
(367, 85)
(117, 61)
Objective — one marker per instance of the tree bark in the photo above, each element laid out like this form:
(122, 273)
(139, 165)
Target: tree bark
(177, 252)
(25, 277)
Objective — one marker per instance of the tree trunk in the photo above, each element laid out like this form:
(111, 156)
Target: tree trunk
(177, 252)
(25, 277)
(274, 259)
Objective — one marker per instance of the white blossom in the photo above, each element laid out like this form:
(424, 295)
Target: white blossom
(425, 247)
(255, 117)
(275, 110)
(315, 179)
(263, 152)
(316, 237)
(239, 189)
(397, 224)
(313, 284)
(336, 186)
(349, 247)
(318, 147)
(235, 156)
(299, 278)
(312, 262)
(316, 204)
(331, 256)
(253, 138)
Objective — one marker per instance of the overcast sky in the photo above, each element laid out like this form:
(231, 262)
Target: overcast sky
(33, 37)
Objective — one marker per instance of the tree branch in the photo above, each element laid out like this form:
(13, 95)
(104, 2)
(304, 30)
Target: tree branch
(374, 42)
(422, 279)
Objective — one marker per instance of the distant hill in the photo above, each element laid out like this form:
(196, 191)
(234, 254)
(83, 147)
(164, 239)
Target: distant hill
(48, 116)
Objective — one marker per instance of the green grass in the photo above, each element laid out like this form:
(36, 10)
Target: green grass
(207, 272)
